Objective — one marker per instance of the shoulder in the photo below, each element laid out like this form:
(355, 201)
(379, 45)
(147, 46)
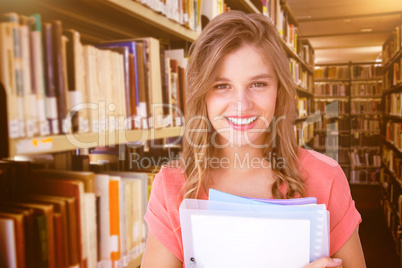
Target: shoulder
(322, 175)
(168, 182)
(311, 158)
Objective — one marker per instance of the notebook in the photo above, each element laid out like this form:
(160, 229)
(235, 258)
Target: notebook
(259, 235)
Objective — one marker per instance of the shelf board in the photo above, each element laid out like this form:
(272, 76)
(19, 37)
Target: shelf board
(135, 263)
(301, 90)
(394, 117)
(60, 143)
(393, 147)
(393, 89)
(376, 183)
(393, 58)
(244, 5)
(366, 79)
(322, 97)
(323, 80)
(149, 16)
(367, 97)
(293, 54)
(365, 113)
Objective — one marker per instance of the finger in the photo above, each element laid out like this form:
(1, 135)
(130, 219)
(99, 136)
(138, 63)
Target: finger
(324, 262)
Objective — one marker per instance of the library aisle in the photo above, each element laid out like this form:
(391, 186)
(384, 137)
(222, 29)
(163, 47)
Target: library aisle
(376, 238)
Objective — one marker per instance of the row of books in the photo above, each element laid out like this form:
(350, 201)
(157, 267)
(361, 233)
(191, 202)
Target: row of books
(369, 88)
(331, 89)
(55, 84)
(361, 176)
(71, 219)
(365, 124)
(329, 106)
(393, 162)
(392, 45)
(286, 28)
(393, 104)
(304, 133)
(366, 71)
(365, 158)
(340, 124)
(189, 13)
(332, 72)
(303, 105)
(301, 77)
(393, 74)
(392, 219)
(365, 106)
(330, 142)
(363, 139)
(394, 133)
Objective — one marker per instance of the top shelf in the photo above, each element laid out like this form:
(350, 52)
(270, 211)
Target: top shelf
(244, 5)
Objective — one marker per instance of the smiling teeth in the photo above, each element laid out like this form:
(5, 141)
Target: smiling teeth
(242, 121)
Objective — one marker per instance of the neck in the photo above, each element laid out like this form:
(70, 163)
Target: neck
(244, 159)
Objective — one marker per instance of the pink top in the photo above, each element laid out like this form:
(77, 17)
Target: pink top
(325, 180)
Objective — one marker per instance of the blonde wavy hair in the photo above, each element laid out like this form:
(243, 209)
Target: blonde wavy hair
(222, 35)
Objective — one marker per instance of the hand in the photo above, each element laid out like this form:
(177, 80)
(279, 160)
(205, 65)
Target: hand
(325, 262)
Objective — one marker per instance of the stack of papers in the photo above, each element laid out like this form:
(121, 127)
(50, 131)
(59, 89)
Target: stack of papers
(233, 231)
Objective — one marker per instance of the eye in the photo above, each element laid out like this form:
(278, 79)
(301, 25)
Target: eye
(222, 86)
(258, 84)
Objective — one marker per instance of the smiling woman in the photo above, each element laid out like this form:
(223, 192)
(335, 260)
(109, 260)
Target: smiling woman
(240, 107)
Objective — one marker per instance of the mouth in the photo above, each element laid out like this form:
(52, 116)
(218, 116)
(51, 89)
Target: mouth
(242, 121)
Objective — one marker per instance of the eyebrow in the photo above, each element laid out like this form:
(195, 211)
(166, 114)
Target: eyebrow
(256, 77)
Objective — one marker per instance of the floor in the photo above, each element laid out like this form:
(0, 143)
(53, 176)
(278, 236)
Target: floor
(377, 242)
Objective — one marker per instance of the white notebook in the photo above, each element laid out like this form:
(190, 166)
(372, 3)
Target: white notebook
(218, 234)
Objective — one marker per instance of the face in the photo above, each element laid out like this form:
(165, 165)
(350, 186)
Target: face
(241, 102)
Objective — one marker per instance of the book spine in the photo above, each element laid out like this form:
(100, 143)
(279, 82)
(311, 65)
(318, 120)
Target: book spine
(30, 115)
(51, 99)
(60, 78)
(7, 77)
(39, 83)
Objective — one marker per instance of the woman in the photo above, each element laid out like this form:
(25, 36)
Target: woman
(240, 140)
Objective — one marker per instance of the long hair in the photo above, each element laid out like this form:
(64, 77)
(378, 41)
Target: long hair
(224, 34)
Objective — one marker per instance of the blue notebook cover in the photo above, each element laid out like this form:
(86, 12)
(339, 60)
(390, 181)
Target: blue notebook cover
(215, 195)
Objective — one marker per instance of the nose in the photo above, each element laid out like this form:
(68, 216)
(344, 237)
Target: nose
(241, 100)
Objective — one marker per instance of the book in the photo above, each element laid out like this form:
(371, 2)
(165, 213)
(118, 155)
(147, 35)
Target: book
(7, 243)
(51, 99)
(45, 230)
(7, 77)
(76, 84)
(70, 189)
(29, 230)
(60, 74)
(19, 231)
(153, 71)
(37, 73)
(61, 231)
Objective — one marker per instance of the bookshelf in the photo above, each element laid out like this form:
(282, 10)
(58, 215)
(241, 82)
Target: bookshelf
(348, 95)
(106, 20)
(391, 136)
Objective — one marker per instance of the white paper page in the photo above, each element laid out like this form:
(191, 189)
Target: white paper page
(7, 243)
(231, 241)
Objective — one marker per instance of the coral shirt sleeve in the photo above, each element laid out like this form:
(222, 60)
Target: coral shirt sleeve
(344, 216)
(157, 216)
